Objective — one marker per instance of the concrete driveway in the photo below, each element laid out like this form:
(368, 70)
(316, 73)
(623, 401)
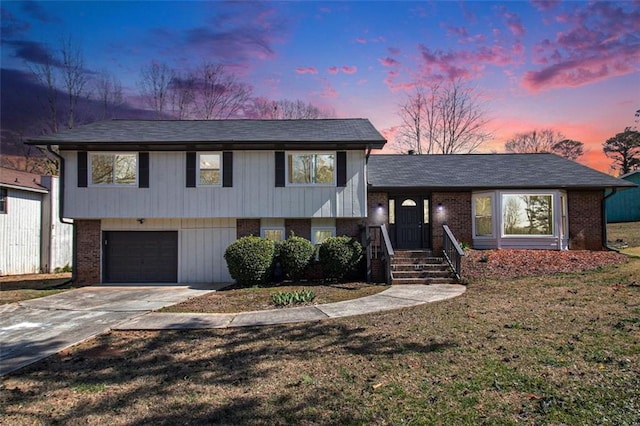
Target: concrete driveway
(34, 329)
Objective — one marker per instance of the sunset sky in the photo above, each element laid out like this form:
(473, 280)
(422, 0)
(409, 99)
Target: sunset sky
(573, 67)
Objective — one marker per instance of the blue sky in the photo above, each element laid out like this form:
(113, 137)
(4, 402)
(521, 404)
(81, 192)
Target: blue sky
(572, 66)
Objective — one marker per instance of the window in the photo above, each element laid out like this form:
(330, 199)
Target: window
(392, 211)
(425, 211)
(114, 169)
(483, 215)
(3, 200)
(319, 235)
(311, 169)
(273, 234)
(209, 170)
(527, 214)
(408, 203)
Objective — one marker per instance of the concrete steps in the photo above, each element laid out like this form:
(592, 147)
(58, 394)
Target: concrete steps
(420, 267)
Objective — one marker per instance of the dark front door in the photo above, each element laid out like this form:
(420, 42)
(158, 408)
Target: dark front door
(140, 257)
(409, 223)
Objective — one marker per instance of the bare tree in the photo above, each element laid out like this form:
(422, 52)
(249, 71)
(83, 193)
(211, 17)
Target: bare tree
(568, 148)
(539, 140)
(182, 95)
(624, 150)
(109, 92)
(46, 76)
(219, 95)
(286, 109)
(447, 119)
(154, 86)
(74, 76)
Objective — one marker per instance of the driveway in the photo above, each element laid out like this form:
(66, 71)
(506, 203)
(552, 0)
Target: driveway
(34, 329)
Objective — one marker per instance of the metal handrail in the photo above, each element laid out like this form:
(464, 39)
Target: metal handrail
(452, 251)
(378, 246)
(387, 252)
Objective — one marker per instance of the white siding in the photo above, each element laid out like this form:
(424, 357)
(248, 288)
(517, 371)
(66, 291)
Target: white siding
(57, 237)
(201, 244)
(253, 194)
(20, 233)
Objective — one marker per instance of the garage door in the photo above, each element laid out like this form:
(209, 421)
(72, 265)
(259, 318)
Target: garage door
(140, 257)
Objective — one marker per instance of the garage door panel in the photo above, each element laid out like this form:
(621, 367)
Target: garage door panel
(149, 256)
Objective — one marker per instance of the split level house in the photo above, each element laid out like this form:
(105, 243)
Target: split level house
(159, 201)
(33, 239)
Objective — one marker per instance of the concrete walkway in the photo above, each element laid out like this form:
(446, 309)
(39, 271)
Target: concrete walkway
(34, 329)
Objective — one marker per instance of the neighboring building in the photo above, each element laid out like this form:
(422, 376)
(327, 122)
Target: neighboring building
(32, 238)
(159, 201)
(624, 206)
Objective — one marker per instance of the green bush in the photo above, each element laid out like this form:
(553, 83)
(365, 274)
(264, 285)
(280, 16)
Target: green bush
(292, 297)
(339, 256)
(250, 260)
(295, 255)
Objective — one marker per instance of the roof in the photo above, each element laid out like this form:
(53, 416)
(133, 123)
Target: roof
(16, 179)
(252, 134)
(631, 175)
(484, 171)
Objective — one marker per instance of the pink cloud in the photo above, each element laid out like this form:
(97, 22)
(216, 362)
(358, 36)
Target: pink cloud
(349, 70)
(514, 24)
(307, 70)
(361, 40)
(545, 5)
(394, 51)
(388, 62)
(328, 92)
(333, 70)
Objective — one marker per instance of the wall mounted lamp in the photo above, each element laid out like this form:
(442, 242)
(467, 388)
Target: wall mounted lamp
(440, 207)
(141, 220)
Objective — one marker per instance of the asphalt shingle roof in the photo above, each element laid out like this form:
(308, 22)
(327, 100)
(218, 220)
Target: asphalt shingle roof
(22, 180)
(356, 130)
(478, 171)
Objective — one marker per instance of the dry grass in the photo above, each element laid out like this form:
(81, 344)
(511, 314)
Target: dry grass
(561, 349)
(14, 288)
(628, 232)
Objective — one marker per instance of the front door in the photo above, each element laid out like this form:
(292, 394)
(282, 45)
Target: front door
(409, 223)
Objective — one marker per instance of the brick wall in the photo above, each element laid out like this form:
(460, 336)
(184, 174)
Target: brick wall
(456, 212)
(348, 227)
(376, 215)
(585, 220)
(246, 227)
(300, 227)
(88, 239)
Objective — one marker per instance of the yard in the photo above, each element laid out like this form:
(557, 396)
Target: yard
(559, 348)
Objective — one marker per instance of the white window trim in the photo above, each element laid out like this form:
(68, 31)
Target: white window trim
(554, 231)
(273, 228)
(311, 184)
(321, 228)
(491, 195)
(112, 185)
(208, 185)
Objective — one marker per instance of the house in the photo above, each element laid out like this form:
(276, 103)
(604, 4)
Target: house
(159, 201)
(624, 206)
(32, 238)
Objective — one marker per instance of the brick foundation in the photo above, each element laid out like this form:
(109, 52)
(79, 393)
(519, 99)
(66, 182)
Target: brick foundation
(456, 212)
(300, 227)
(88, 238)
(247, 227)
(585, 220)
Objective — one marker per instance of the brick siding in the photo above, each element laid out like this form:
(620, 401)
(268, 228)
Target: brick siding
(585, 220)
(348, 227)
(88, 239)
(300, 227)
(247, 227)
(376, 215)
(456, 212)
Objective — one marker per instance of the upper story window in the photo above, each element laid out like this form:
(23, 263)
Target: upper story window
(3, 200)
(109, 168)
(311, 168)
(209, 169)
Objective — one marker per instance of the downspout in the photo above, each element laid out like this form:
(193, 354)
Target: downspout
(61, 217)
(604, 217)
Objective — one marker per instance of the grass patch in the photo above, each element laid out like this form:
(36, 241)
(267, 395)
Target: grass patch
(560, 349)
(629, 232)
(24, 287)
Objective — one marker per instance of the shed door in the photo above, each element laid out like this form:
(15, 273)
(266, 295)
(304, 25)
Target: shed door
(140, 257)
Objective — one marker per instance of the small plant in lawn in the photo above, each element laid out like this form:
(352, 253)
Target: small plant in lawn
(484, 258)
(464, 245)
(339, 256)
(295, 255)
(292, 297)
(250, 260)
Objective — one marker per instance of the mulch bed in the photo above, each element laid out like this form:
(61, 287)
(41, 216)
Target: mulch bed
(505, 264)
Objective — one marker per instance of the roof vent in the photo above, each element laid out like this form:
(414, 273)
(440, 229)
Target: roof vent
(411, 152)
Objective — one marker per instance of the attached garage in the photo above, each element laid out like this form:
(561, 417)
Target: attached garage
(140, 256)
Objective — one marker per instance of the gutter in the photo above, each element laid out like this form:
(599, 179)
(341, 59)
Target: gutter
(61, 217)
(614, 190)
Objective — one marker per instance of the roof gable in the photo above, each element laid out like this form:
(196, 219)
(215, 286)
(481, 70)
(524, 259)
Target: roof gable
(484, 171)
(17, 179)
(252, 134)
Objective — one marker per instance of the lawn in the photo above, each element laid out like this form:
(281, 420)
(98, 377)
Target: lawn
(627, 233)
(554, 349)
(14, 288)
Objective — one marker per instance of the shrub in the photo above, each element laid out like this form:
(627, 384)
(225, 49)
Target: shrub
(250, 260)
(295, 255)
(292, 297)
(339, 256)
